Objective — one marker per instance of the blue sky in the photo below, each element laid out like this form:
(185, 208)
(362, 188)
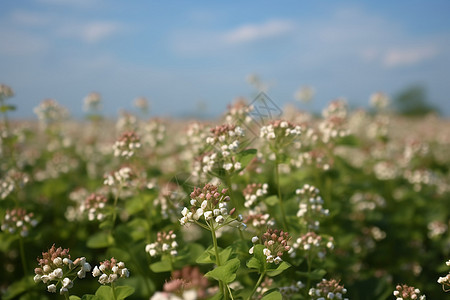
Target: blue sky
(180, 53)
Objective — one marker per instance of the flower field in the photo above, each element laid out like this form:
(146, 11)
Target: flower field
(348, 204)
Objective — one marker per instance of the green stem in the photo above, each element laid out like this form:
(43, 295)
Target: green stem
(261, 277)
(66, 296)
(308, 281)
(116, 198)
(22, 256)
(280, 200)
(230, 191)
(218, 262)
(114, 290)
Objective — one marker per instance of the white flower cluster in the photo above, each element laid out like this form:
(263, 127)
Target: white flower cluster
(311, 206)
(294, 289)
(126, 122)
(275, 243)
(225, 140)
(6, 187)
(6, 91)
(239, 112)
(10, 181)
(165, 244)
(50, 111)
(313, 243)
(94, 205)
(253, 192)
(328, 289)
(110, 270)
(126, 145)
(445, 281)
(210, 204)
(258, 219)
(92, 102)
(404, 292)
(366, 201)
(153, 133)
(279, 129)
(122, 177)
(379, 100)
(18, 220)
(56, 268)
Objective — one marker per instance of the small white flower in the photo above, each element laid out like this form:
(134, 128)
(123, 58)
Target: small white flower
(125, 273)
(37, 278)
(266, 252)
(58, 261)
(63, 290)
(204, 204)
(47, 269)
(220, 219)
(51, 288)
(255, 239)
(251, 250)
(58, 273)
(103, 279)
(96, 272)
(67, 283)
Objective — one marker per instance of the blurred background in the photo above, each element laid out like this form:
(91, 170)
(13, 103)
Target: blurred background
(192, 58)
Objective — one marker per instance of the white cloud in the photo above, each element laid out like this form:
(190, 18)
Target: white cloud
(91, 32)
(253, 32)
(409, 56)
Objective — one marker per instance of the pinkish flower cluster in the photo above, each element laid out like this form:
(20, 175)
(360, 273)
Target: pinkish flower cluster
(258, 220)
(165, 244)
(328, 289)
(56, 268)
(92, 102)
(313, 244)
(18, 220)
(334, 124)
(275, 243)
(110, 270)
(405, 292)
(253, 192)
(94, 205)
(126, 145)
(187, 283)
(210, 204)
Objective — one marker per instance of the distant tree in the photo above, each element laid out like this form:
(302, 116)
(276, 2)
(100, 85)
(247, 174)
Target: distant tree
(412, 101)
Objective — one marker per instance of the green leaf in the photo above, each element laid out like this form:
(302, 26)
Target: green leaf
(188, 255)
(245, 157)
(161, 266)
(272, 200)
(272, 295)
(124, 291)
(104, 292)
(19, 287)
(227, 272)
(5, 108)
(89, 297)
(258, 261)
(73, 297)
(100, 240)
(280, 268)
(207, 257)
(314, 275)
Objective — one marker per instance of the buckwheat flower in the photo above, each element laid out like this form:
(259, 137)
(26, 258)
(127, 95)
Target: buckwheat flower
(141, 103)
(17, 220)
(165, 244)
(445, 281)
(126, 145)
(313, 244)
(379, 100)
(215, 212)
(120, 178)
(291, 290)
(310, 207)
(92, 102)
(50, 111)
(405, 292)
(56, 268)
(254, 192)
(327, 289)
(51, 288)
(5, 91)
(275, 243)
(110, 271)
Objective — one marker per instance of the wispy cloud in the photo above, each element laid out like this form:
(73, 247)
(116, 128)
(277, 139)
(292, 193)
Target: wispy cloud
(252, 32)
(409, 56)
(91, 32)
